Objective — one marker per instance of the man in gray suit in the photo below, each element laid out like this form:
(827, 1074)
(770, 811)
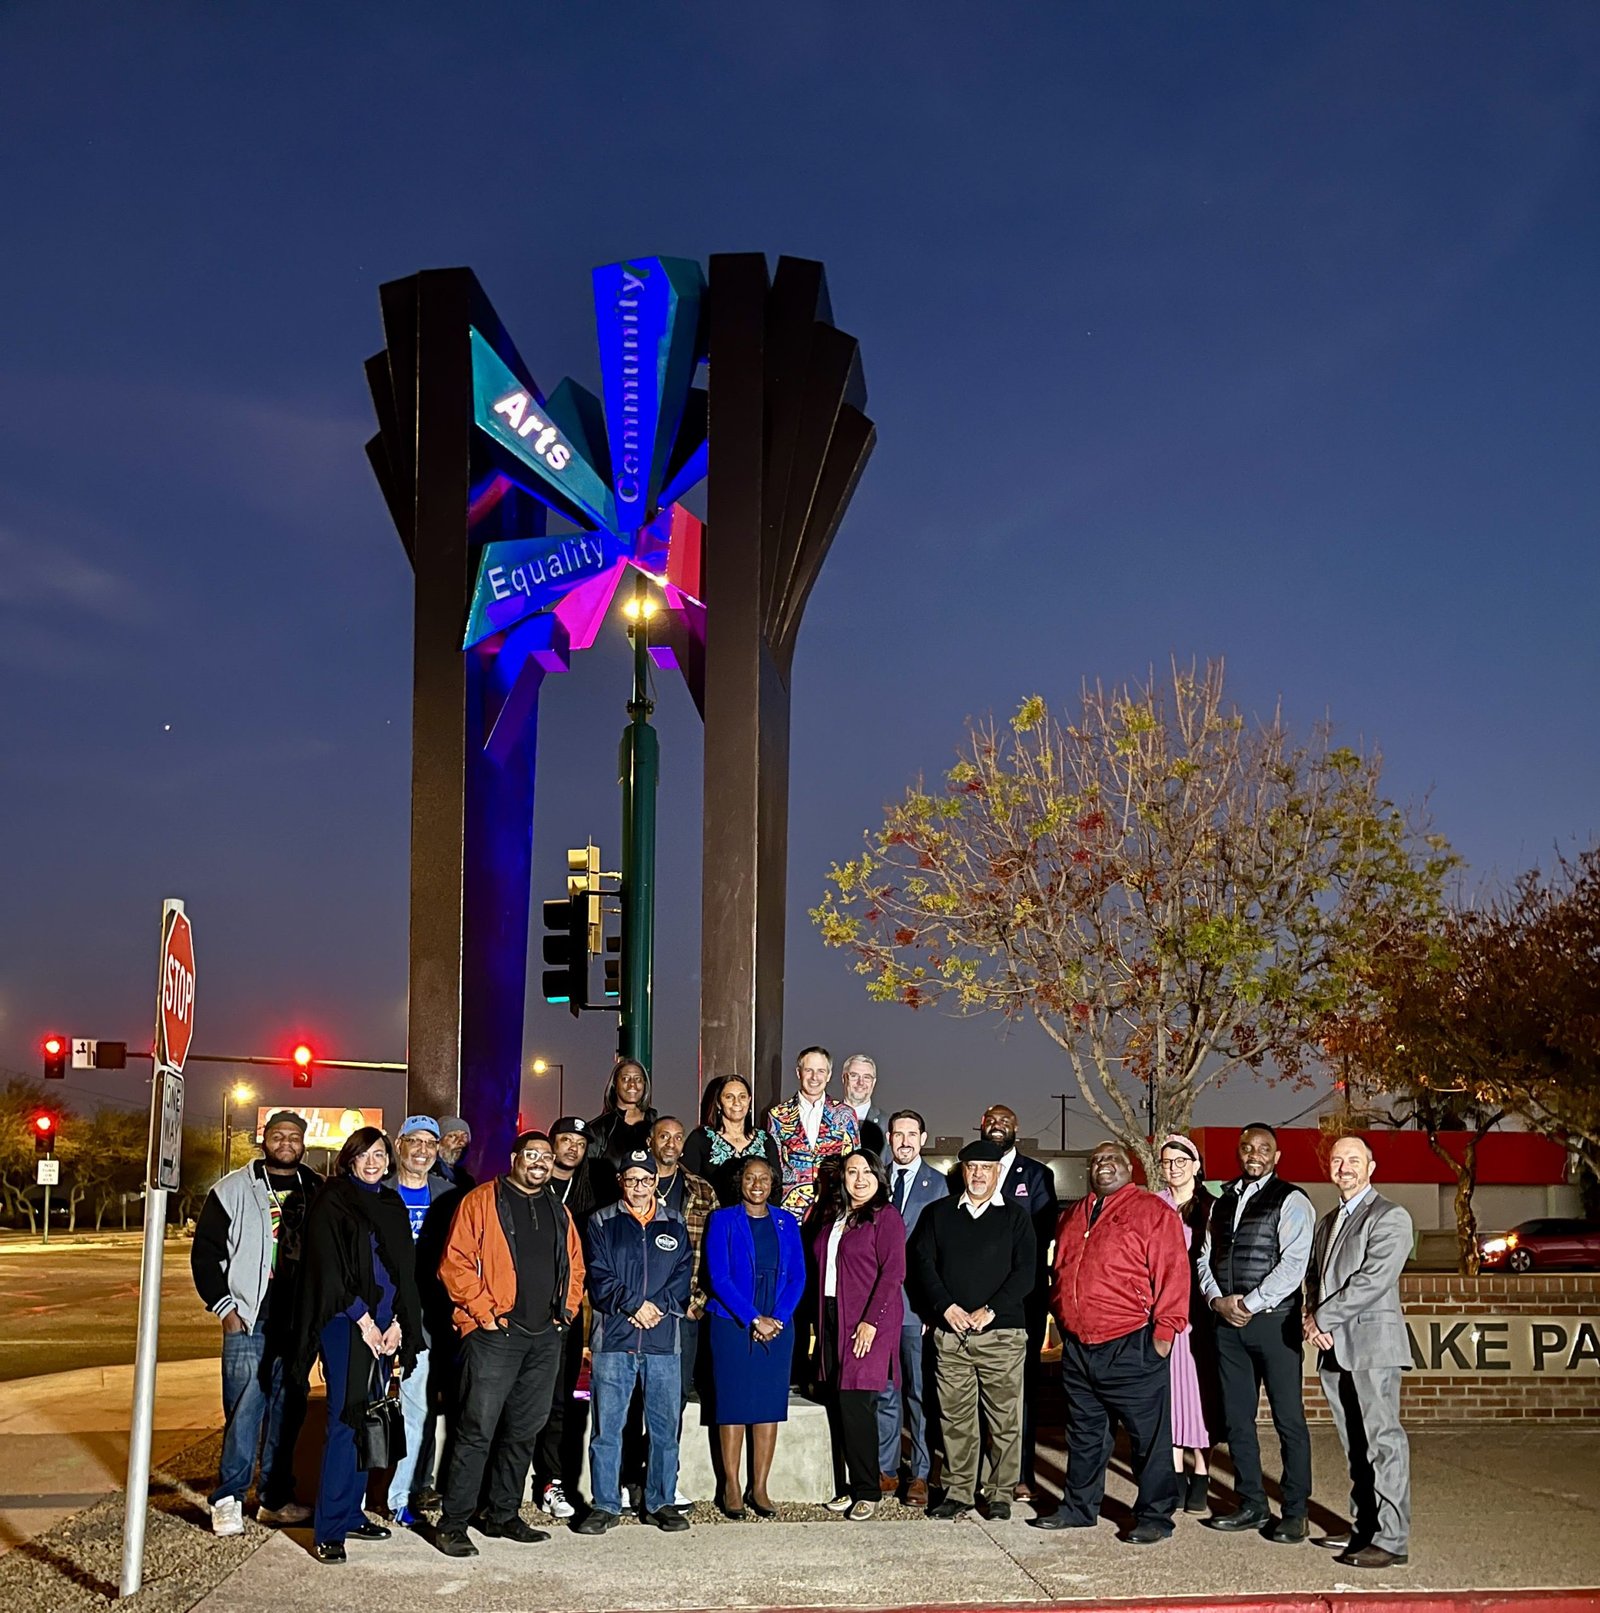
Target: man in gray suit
(1353, 1317)
(859, 1073)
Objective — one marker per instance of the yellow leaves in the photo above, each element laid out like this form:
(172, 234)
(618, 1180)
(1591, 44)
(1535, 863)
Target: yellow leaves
(1029, 714)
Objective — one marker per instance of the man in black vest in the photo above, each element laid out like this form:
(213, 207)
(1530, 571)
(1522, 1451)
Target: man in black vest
(1252, 1266)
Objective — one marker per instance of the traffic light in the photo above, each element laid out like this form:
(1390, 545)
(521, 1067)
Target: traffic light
(55, 1058)
(302, 1058)
(566, 952)
(614, 966)
(44, 1131)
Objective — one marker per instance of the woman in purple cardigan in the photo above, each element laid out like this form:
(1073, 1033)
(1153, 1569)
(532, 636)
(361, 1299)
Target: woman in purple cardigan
(860, 1247)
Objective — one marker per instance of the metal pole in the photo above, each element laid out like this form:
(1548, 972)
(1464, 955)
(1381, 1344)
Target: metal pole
(640, 765)
(227, 1140)
(144, 1388)
(1063, 1097)
(47, 1207)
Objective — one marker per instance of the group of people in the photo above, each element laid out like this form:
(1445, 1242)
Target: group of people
(731, 1261)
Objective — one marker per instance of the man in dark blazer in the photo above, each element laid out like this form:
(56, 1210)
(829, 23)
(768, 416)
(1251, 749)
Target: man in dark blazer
(1028, 1184)
(1353, 1317)
(913, 1186)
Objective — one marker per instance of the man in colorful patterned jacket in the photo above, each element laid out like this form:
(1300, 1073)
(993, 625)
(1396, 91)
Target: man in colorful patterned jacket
(809, 1129)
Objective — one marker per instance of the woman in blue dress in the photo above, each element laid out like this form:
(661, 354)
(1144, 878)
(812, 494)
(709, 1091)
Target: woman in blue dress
(756, 1268)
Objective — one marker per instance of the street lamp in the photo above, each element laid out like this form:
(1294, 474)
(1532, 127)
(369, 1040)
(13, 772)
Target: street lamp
(238, 1093)
(542, 1067)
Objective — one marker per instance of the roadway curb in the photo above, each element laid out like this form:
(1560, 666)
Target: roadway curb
(1501, 1601)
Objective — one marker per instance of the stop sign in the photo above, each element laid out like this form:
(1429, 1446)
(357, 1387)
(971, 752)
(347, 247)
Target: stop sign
(175, 999)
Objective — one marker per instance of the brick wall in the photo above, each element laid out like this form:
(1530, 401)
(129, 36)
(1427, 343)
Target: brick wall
(1466, 1396)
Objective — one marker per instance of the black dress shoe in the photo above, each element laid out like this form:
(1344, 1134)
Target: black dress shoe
(756, 1507)
(732, 1514)
(998, 1511)
(1146, 1534)
(1373, 1557)
(1061, 1520)
(1232, 1522)
(596, 1522)
(368, 1531)
(454, 1543)
(330, 1551)
(516, 1527)
(668, 1520)
(1288, 1531)
(947, 1511)
(1348, 1541)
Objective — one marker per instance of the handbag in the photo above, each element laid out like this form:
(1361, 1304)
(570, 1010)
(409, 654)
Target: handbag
(381, 1433)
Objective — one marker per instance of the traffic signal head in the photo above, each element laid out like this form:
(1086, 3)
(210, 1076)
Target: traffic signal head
(614, 966)
(302, 1058)
(55, 1058)
(44, 1131)
(566, 952)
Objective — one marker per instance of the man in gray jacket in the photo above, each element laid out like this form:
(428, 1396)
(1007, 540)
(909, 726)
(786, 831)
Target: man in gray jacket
(1353, 1317)
(245, 1261)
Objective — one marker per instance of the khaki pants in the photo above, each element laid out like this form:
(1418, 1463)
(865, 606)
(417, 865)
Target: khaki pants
(986, 1370)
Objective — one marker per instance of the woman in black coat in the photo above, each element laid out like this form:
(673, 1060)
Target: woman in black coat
(622, 1127)
(359, 1310)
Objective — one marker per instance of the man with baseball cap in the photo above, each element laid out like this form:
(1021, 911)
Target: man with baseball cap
(430, 1201)
(558, 1457)
(641, 1265)
(972, 1258)
(245, 1260)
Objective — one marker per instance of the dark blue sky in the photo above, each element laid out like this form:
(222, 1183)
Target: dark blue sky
(1261, 331)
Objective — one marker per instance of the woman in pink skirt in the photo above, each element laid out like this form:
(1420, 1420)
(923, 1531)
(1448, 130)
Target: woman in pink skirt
(1196, 1425)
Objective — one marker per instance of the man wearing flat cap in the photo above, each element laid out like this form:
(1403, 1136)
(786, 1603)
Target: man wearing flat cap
(972, 1263)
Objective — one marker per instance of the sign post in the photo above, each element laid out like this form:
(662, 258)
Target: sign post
(174, 1031)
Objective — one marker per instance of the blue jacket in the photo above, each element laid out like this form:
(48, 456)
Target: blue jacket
(926, 1187)
(730, 1265)
(628, 1263)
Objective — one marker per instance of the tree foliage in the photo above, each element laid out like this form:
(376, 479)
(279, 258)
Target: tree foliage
(1172, 892)
(1491, 1012)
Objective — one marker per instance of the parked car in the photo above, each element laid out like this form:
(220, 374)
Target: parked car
(1538, 1245)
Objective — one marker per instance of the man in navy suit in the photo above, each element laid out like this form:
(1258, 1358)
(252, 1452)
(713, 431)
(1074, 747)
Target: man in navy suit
(1028, 1184)
(913, 1186)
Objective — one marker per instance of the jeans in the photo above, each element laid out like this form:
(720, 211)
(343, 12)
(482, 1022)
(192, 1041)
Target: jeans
(906, 1403)
(343, 1486)
(507, 1378)
(418, 1413)
(612, 1375)
(257, 1400)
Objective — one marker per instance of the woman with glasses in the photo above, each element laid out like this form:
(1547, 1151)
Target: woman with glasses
(359, 1310)
(726, 1137)
(859, 1250)
(1196, 1393)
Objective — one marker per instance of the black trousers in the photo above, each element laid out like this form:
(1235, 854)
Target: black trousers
(1266, 1351)
(507, 1378)
(558, 1455)
(852, 1419)
(1122, 1381)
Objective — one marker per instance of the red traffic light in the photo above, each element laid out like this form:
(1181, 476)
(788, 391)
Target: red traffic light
(302, 1058)
(55, 1058)
(53, 1045)
(44, 1124)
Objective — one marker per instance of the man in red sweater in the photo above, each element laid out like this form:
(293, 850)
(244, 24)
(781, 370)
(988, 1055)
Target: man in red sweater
(1120, 1294)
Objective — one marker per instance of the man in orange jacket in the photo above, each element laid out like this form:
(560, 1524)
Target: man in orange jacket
(513, 1268)
(1120, 1295)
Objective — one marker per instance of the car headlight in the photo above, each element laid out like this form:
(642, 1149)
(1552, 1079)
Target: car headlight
(1495, 1246)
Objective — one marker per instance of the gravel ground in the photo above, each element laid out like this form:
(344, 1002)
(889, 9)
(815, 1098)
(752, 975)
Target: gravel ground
(74, 1567)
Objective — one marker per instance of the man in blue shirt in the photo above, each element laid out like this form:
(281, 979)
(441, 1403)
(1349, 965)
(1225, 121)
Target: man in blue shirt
(1252, 1265)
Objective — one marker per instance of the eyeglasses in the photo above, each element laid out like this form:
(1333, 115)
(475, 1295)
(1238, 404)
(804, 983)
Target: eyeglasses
(541, 1158)
(1177, 1160)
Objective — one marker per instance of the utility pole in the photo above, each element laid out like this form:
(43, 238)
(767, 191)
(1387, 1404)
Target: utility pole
(1062, 1096)
(639, 765)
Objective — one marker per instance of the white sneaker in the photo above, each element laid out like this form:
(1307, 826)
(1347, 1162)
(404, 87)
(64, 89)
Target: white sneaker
(291, 1512)
(680, 1500)
(555, 1502)
(227, 1516)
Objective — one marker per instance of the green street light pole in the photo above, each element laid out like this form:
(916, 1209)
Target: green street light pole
(639, 765)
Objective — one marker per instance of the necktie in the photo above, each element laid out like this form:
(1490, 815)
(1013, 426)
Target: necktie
(1096, 1208)
(900, 1190)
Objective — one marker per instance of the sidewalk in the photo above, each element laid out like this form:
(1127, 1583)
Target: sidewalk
(64, 1437)
(1496, 1507)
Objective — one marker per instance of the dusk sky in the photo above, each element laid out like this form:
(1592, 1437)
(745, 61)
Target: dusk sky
(1259, 331)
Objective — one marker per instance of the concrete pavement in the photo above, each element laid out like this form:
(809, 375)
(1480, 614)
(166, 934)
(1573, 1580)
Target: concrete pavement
(64, 1437)
(1495, 1507)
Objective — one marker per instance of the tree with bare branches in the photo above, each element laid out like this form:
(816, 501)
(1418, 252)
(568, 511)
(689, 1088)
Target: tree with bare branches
(1172, 892)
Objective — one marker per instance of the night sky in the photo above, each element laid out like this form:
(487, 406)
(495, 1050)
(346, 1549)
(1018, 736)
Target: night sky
(1261, 331)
